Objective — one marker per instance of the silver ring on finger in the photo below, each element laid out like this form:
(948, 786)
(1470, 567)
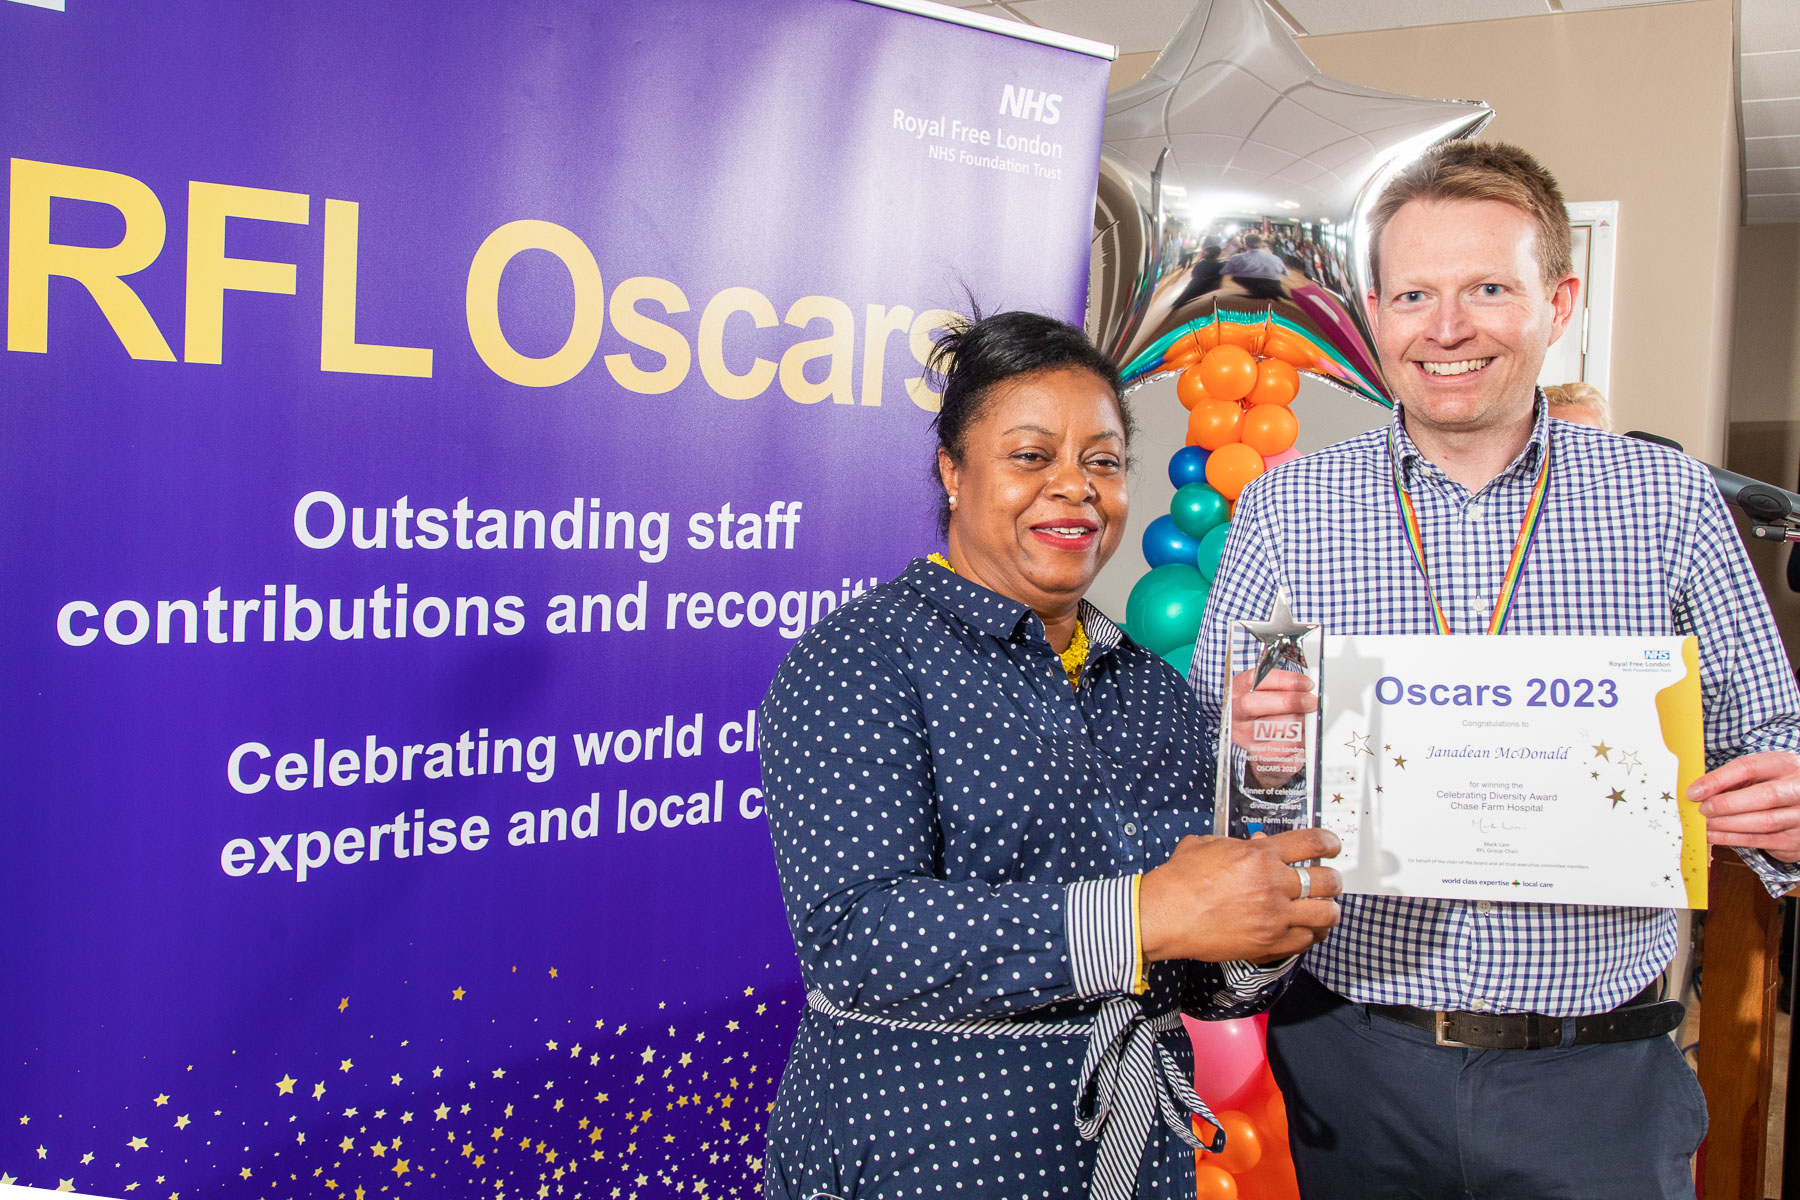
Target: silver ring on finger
(1305, 882)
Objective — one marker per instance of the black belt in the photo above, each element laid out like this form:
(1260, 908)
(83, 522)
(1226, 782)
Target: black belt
(1638, 1018)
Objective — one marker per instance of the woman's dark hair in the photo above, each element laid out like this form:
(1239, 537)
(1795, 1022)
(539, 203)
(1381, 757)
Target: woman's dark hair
(978, 354)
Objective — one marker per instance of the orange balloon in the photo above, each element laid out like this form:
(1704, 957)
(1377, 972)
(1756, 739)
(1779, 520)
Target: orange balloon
(1230, 468)
(1188, 388)
(1275, 1118)
(1229, 372)
(1269, 429)
(1243, 1144)
(1213, 424)
(1210, 1183)
(1249, 336)
(1276, 382)
(1288, 348)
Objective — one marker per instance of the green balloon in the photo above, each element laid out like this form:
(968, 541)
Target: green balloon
(1197, 509)
(1211, 546)
(1181, 657)
(1165, 607)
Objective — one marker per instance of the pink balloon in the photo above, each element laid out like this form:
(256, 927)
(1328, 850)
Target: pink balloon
(1228, 1060)
(1270, 462)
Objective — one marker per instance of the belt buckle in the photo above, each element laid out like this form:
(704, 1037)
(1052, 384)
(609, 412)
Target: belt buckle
(1441, 1023)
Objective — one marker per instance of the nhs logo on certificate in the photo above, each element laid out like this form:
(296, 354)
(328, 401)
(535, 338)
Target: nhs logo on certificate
(1543, 769)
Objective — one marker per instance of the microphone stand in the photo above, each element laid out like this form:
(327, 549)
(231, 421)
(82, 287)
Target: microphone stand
(1774, 512)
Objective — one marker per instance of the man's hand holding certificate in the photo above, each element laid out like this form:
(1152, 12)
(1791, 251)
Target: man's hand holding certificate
(1546, 769)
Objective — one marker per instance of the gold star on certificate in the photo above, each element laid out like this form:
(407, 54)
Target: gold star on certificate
(1280, 636)
(1603, 751)
(285, 1085)
(1616, 796)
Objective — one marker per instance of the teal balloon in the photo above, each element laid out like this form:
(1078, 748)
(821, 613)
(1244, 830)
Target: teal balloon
(1181, 657)
(1165, 607)
(1211, 546)
(1165, 544)
(1198, 509)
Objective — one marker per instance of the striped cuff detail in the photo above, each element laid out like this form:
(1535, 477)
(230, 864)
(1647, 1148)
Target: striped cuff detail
(1100, 922)
(1247, 981)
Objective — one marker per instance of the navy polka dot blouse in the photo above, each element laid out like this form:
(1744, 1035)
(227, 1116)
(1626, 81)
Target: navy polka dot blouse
(958, 833)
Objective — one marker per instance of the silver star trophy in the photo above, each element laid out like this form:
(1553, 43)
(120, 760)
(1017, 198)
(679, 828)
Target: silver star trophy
(1269, 758)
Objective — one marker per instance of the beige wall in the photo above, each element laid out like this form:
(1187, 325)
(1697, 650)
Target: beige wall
(1765, 389)
(1635, 105)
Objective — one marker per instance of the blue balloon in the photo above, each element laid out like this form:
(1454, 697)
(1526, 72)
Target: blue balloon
(1188, 466)
(1211, 547)
(1164, 544)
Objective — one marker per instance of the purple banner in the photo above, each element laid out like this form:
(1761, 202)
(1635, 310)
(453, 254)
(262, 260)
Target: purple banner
(425, 429)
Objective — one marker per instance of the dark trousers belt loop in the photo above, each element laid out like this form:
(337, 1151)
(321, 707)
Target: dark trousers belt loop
(1640, 1017)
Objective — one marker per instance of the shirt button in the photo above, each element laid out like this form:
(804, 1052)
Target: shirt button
(1484, 906)
(1478, 1006)
(1130, 829)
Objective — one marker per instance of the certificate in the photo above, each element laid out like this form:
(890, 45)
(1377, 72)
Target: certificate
(1544, 769)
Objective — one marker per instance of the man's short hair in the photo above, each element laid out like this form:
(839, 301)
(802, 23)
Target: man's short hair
(1470, 170)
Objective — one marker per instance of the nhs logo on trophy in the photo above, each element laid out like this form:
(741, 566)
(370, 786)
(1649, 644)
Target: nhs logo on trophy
(1269, 765)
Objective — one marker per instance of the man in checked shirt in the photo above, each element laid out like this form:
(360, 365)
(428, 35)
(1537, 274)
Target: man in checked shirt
(1557, 1079)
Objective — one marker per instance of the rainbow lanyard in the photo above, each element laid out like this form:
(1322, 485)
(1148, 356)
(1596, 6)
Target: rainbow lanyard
(1528, 528)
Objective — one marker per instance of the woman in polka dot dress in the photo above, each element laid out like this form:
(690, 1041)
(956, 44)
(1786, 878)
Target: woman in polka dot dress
(983, 797)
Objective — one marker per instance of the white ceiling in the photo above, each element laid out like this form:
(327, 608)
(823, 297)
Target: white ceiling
(1768, 62)
(1769, 104)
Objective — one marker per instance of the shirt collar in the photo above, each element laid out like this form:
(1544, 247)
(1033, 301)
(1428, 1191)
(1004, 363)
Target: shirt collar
(997, 615)
(1413, 461)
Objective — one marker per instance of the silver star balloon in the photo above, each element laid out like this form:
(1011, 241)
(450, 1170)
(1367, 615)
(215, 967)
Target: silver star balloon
(1233, 132)
(1280, 636)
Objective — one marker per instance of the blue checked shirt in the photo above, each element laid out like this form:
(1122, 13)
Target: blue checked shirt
(1634, 540)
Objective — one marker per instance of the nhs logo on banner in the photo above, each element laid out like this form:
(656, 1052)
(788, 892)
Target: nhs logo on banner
(54, 5)
(1030, 104)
